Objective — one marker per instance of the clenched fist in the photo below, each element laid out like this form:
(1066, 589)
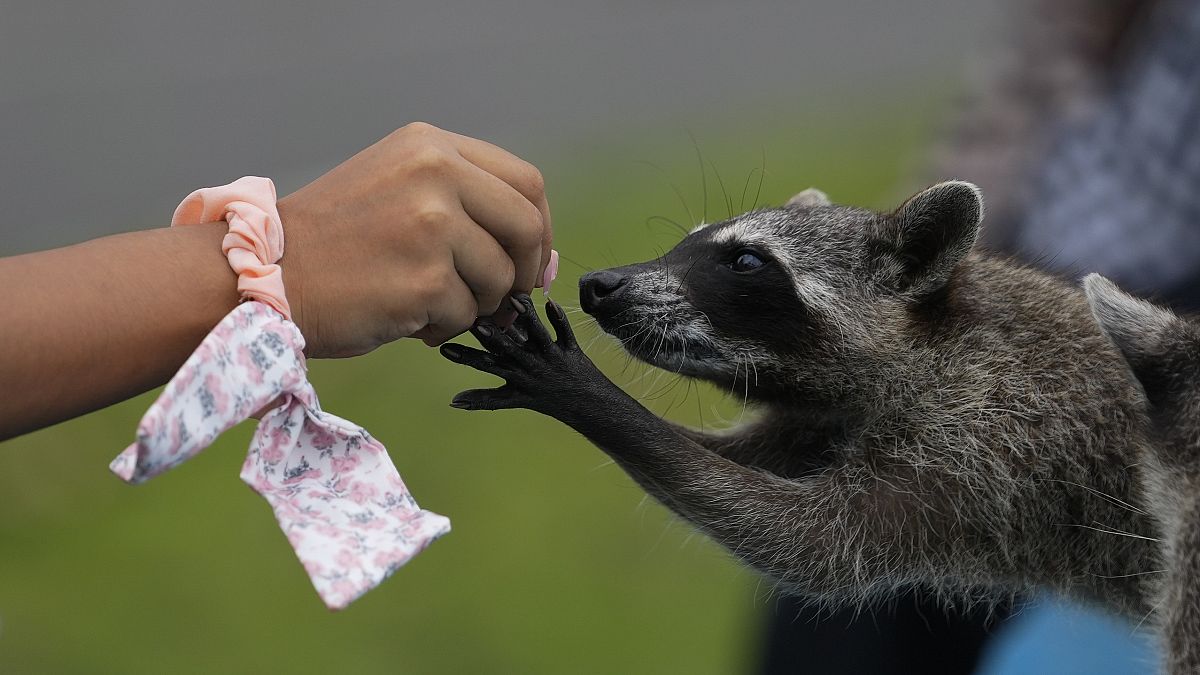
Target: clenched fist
(417, 235)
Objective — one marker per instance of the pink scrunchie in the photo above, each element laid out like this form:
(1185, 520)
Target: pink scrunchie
(254, 243)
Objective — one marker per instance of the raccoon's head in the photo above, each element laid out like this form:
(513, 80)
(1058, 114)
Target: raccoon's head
(788, 300)
(1163, 352)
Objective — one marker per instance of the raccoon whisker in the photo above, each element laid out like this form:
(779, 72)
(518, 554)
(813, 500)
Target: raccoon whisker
(581, 266)
(703, 177)
(1153, 610)
(659, 374)
(1126, 576)
(658, 344)
(1107, 497)
(662, 533)
(682, 279)
(642, 377)
(667, 388)
(668, 221)
(746, 395)
(728, 202)
(762, 172)
(628, 363)
(674, 188)
(746, 188)
(1108, 531)
(675, 402)
(602, 465)
(664, 390)
(662, 256)
(588, 347)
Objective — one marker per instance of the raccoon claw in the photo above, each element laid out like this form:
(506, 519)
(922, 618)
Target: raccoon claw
(489, 399)
(540, 371)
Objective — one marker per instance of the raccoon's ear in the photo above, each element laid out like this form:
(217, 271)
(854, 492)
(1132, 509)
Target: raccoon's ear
(810, 197)
(925, 239)
(1144, 332)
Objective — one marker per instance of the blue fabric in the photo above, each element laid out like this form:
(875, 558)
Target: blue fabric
(1053, 636)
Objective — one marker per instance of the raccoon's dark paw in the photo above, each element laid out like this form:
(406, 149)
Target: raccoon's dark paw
(540, 373)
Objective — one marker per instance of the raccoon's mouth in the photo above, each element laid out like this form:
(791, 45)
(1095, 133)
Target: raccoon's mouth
(664, 347)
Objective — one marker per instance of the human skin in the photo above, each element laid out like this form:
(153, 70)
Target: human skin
(415, 236)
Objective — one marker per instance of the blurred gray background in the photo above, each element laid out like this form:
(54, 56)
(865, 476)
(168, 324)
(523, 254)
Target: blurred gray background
(110, 112)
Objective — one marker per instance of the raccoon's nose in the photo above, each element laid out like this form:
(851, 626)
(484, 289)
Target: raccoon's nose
(597, 287)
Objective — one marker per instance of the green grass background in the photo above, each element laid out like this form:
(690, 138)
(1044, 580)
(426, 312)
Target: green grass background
(557, 563)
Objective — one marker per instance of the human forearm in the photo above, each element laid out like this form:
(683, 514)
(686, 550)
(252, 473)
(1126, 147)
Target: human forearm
(88, 325)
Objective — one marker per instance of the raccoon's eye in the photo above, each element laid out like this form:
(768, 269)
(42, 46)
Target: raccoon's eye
(746, 260)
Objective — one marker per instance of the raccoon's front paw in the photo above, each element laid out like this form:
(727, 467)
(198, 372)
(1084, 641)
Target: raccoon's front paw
(540, 373)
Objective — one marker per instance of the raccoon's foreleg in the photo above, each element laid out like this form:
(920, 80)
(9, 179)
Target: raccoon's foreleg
(837, 532)
(770, 444)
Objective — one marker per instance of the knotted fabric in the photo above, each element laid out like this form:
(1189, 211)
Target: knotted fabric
(333, 488)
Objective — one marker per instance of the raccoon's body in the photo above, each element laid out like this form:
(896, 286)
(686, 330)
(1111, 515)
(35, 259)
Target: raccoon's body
(1163, 352)
(927, 415)
(992, 442)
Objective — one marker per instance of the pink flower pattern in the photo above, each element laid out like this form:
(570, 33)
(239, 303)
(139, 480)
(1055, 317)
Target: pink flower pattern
(333, 488)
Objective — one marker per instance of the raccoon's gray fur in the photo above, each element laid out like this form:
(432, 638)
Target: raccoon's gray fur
(1163, 351)
(927, 414)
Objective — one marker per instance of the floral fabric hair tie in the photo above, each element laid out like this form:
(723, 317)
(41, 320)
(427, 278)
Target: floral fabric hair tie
(333, 487)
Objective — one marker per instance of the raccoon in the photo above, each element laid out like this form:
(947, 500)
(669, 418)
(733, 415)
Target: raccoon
(1163, 352)
(926, 414)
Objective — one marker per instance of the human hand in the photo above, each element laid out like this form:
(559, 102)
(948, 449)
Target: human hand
(417, 235)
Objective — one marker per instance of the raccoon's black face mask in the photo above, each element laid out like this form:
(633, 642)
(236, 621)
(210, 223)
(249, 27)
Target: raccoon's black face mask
(735, 300)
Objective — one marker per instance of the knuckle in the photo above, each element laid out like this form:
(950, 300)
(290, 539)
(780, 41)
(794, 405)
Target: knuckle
(429, 159)
(530, 181)
(419, 128)
(430, 221)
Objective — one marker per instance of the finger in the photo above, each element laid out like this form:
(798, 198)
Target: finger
(509, 217)
(562, 327)
(521, 175)
(473, 358)
(451, 312)
(528, 321)
(482, 263)
(491, 399)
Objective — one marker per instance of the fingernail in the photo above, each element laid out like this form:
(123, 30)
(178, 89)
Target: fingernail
(517, 305)
(451, 351)
(550, 274)
(483, 330)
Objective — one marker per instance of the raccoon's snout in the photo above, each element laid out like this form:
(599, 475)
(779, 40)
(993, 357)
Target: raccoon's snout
(598, 288)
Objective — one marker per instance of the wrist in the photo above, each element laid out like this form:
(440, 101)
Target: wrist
(292, 263)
